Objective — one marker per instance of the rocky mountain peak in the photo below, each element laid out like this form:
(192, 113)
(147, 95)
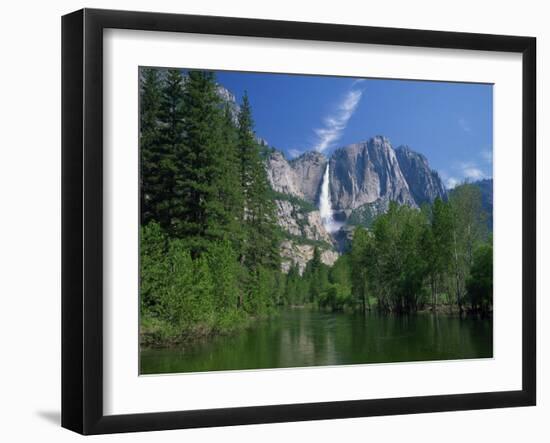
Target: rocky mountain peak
(365, 172)
(226, 95)
(360, 173)
(364, 178)
(380, 140)
(310, 156)
(424, 183)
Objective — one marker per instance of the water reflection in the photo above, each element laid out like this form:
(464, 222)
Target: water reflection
(307, 337)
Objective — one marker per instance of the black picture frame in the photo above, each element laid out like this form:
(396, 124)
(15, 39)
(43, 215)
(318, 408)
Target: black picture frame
(82, 218)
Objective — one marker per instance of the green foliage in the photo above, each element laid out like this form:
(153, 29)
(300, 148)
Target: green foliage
(320, 285)
(295, 288)
(261, 243)
(410, 258)
(361, 255)
(156, 157)
(176, 291)
(207, 192)
(337, 297)
(153, 244)
(182, 297)
(437, 246)
(480, 281)
(209, 243)
(405, 262)
(340, 272)
(467, 231)
(401, 268)
(179, 303)
(223, 262)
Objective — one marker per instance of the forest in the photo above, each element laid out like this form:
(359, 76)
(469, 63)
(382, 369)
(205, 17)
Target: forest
(209, 239)
(438, 258)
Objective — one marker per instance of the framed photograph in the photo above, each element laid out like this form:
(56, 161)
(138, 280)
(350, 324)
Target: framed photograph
(269, 221)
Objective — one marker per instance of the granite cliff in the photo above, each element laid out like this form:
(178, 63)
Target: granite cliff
(364, 178)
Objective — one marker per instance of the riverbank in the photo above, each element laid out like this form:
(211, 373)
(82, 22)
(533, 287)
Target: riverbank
(155, 333)
(308, 337)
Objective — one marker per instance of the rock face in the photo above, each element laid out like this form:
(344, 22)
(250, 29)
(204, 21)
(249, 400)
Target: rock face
(294, 253)
(366, 214)
(227, 98)
(424, 183)
(365, 172)
(298, 222)
(297, 217)
(314, 228)
(360, 173)
(309, 169)
(282, 176)
(364, 178)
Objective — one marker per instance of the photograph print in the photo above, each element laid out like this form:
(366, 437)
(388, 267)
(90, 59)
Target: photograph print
(292, 221)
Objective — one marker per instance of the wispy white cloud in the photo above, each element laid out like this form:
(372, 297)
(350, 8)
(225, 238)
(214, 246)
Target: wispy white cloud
(463, 123)
(451, 182)
(336, 122)
(471, 171)
(463, 172)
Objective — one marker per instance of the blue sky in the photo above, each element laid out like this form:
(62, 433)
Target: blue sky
(450, 123)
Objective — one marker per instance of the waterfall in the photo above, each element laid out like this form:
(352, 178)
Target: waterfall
(325, 206)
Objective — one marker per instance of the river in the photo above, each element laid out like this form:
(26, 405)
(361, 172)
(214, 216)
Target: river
(308, 337)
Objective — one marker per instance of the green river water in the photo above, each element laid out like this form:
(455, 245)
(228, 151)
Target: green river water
(308, 337)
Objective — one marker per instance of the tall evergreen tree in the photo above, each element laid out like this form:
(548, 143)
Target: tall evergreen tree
(316, 275)
(229, 181)
(259, 212)
(171, 143)
(151, 151)
(206, 187)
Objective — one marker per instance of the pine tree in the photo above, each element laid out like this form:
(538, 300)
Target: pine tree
(230, 192)
(292, 278)
(313, 275)
(259, 212)
(150, 144)
(171, 143)
(211, 254)
(207, 168)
